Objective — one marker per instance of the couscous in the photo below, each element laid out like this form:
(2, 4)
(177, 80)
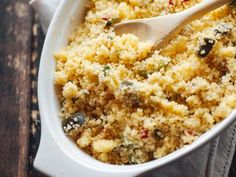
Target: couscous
(123, 102)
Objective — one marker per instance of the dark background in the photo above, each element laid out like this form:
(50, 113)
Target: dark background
(21, 40)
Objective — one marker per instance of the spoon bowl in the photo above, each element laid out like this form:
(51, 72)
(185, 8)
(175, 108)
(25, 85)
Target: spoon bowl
(140, 29)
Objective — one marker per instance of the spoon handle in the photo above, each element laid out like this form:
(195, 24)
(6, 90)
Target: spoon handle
(203, 8)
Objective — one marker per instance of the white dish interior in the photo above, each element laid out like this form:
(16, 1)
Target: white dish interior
(57, 154)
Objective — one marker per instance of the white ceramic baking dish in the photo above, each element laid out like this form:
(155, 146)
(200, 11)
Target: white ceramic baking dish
(57, 154)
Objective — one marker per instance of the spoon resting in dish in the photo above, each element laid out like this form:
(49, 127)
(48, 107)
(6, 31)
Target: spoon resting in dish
(161, 29)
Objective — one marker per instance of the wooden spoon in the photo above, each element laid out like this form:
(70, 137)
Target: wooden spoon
(161, 29)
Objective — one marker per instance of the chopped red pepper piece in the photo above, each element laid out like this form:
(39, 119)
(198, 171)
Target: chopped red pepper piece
(144, 133)
(171, 2)
(191, 132)
(105, 18)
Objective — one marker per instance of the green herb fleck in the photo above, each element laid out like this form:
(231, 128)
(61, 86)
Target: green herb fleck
(126, 83)
(115, 20)
(158, 134)
(111, 22)
(108, 24)
(105, 69)
(143, 73)
(132, 159)
(109, 37)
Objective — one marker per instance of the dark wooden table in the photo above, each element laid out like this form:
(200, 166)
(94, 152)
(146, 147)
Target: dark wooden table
(21, 40)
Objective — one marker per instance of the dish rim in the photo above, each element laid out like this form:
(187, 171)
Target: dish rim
(65, 144)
